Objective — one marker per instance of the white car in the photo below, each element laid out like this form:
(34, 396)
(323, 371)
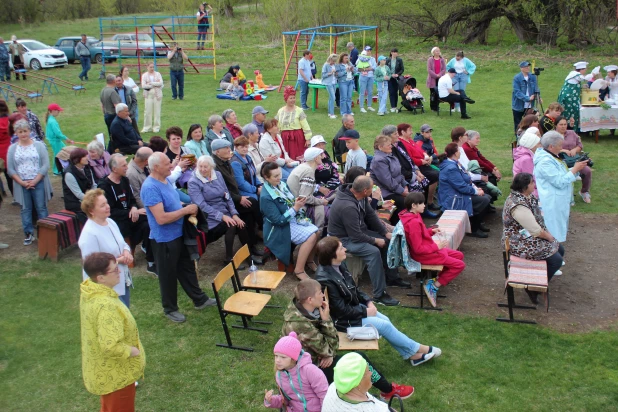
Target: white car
(41, 56)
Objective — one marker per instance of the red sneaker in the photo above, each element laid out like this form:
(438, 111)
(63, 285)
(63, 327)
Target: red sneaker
(404, 392)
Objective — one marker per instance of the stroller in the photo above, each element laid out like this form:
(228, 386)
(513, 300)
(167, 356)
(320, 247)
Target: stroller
(411, 98)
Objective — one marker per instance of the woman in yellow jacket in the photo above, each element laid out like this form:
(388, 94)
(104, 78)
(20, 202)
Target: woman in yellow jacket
(112, 354)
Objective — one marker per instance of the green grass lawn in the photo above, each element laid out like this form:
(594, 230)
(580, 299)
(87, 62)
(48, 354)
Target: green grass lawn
(486, 365)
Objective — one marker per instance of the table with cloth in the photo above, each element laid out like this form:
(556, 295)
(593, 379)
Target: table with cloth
(593, 119)
(453, 225)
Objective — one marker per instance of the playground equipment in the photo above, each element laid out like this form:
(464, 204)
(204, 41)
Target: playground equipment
(50, 82)
(166, 30)
(332, 31)
(8, 90)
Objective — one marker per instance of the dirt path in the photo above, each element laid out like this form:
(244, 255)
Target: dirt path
(582, 299)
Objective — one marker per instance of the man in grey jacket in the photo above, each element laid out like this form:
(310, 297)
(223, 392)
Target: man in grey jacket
(83, 52)
(357, 225)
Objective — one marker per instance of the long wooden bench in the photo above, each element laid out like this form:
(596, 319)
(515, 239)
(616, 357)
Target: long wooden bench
(56, 232)
(347, 344)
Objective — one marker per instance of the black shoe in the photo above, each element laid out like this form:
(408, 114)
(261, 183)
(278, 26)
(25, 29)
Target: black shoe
(258, 260)
(480, 234)
(434, 207)
(176, 317)
(491, 209)
(469, 100)
(534, 296)
(386, 300)
(429, 214)
(484, 228)
(152, 269)
(465, 116)
(209, 302)
(256, 252)
(399, 283)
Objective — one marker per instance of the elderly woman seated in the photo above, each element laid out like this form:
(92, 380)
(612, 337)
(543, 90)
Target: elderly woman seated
(284, 221)
(302, 184)
(271, 144)
(471, 147)
(245, 172)
(217, 130)
(350, 307)
(231, 122)
(76, 181)
(207, 189)
(456, 191)
(326, 174)
(98, 159)
(571, 147)
(524, 228)
(251, 132)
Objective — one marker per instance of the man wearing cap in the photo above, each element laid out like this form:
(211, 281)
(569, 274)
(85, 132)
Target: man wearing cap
(304, 77)
(259, 116)
(109, 99)
(165, 217)
(248, 208)
(356, 156)
(447, 94)
(525, 89)
(570, 94)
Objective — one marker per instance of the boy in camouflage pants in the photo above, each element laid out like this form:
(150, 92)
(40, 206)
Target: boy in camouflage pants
(309, 316)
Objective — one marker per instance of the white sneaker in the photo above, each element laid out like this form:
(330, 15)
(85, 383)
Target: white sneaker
(332, 116)
(563, 263)
(351, 113)
(363, 110)
(457, 109)
(558, 273)
(3, 246)
(371, 109)
(578, 178)
(380, 114)
(393, 110)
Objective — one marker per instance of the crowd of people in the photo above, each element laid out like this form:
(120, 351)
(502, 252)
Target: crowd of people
(272, 182)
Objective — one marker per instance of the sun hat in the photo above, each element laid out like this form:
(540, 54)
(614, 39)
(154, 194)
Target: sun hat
(289, 346)
(349, 372)
(312, 153)
(317, 139)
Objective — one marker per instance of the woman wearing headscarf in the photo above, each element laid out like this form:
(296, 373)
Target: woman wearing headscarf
(436, 68)
(570, 94)
(295, 130)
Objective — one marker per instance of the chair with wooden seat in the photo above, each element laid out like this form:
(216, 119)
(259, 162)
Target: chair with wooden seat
(522, 274)
(242, 303)
(347, 344)
(267, 280)
(451, 106)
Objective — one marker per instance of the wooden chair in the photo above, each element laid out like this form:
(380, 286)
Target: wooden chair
(267, 280)
(241, 303)
(522, 274)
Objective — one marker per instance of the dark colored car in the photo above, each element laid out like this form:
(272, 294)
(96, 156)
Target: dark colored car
(97, 50)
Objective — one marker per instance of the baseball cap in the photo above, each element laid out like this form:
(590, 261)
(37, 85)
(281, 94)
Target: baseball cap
(368, 48)
(425, 128)
(350, 135)
(452, 70)
(524, 64)
(54, 106)
(381, 58)
(259, 109)
(317, 139)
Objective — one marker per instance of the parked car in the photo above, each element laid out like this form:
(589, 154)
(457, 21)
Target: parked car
(97, 49)
(132, 45)
(41, 56)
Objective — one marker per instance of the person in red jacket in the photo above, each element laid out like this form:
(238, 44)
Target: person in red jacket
(424, 250)
(473, 153)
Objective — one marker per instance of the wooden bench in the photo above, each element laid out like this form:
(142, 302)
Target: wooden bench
(347, 344)
(450, 105)
(56, 232)
(523, 274)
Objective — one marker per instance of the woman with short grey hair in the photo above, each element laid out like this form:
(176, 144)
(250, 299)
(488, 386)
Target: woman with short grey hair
(251, 132)
(231, 123)
(217, 130)
(98, 159)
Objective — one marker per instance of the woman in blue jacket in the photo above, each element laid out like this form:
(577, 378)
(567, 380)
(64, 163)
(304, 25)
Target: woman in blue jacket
(456, 191)
(245, 172)
(284, 223)
(464, 68)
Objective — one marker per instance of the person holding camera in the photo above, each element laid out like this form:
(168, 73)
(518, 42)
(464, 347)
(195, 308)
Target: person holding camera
(202, 23)
(572, 152)
(176, 56)
(525, 89)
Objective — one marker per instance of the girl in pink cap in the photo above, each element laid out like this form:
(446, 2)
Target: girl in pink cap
(302, 385)
(53, 132)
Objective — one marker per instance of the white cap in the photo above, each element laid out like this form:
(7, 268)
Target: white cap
(610, 67)
(317, 139)
(312, 153)
(580, 65)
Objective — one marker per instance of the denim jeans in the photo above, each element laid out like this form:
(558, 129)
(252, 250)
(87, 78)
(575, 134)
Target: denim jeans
(365, 84)
(554, 262)
(346, 88)
(178, 78)
(304, 91)
(382, 95)
(33, 198)
(285, 172)
(201, 34)
(126, 298)
(400, 342)
(331, 98)
(460, 81)
(85, 61)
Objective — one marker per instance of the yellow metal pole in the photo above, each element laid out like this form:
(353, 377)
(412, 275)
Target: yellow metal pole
(285, 54)
(330, 49)
(214, 58)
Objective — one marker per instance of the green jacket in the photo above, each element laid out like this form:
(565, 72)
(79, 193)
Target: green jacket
(381, 72)
(319, 338)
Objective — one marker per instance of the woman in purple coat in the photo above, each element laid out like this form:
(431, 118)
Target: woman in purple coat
(436, 68)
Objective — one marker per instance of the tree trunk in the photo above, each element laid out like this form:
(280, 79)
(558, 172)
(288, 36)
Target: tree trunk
(479, 29)
(525, 29)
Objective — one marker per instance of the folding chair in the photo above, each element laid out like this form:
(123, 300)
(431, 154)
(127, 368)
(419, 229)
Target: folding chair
(241, 303)
(267, 280)
(522, 274)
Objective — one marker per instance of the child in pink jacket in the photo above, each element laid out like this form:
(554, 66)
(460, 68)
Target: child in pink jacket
(523, 154)
(302, 385)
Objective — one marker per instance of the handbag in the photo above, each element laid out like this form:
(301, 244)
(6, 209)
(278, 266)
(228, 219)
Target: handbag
(367, 332)
(571, 160)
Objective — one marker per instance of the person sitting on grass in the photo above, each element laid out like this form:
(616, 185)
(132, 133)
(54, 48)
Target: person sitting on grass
(309, 316)
(302, 385)
(350, 307)
(424, 250)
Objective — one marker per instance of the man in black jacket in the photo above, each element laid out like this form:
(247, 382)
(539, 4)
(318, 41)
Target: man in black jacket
(123, 135)
(131, 221)
(339, 147)
(127, 96)
(353, 220)
(247, 207)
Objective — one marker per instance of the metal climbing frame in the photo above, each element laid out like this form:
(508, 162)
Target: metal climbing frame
(332, 31)
(152, 37)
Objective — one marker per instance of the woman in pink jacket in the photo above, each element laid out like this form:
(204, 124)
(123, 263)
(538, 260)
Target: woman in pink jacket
(436, 68)
(302, 385)
(523, 154)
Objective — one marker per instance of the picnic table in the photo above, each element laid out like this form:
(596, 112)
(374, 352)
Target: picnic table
(593, 119)
(453, 224)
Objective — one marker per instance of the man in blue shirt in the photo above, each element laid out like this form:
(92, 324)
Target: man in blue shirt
(304, 77)
(525, 87)
(166, 217)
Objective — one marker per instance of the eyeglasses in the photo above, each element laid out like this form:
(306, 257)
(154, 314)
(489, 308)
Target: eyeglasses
(114, 270)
